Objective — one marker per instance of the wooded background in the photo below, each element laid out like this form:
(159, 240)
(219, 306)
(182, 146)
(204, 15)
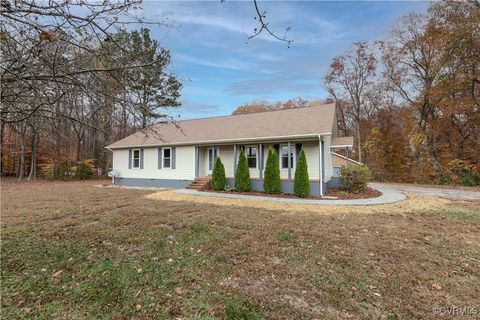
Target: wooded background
(72, 84)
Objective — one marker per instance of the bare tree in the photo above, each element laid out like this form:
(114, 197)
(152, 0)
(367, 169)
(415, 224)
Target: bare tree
(413, 67)
(350, 81)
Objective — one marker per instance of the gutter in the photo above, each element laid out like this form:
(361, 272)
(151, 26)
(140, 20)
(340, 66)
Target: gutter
(224, 141)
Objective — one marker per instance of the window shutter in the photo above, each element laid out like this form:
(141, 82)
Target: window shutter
(160, 158)
(130, 159)
(277, 150)
(141, 158)
(298, 148)
(174, 157)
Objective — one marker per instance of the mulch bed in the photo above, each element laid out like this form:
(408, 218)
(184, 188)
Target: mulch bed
(339, 194)
(345, 195)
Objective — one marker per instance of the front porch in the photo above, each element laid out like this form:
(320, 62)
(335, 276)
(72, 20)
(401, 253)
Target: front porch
(256, 153)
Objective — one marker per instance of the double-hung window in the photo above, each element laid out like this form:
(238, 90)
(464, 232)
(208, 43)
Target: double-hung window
(251, 153)
(167, 157)
(136, 159)
(284, 156)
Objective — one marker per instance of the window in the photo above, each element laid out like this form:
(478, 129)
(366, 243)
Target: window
(167, 157)
(136, 158)
(251, 153)
(284, 156)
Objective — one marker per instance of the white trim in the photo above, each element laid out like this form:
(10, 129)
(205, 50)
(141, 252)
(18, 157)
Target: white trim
(345, 158)
(163, 158)
(225, 141)
(133, 158)
(341, 146)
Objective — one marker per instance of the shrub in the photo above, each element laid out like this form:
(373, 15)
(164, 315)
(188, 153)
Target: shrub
(355, 177)
(301, 182)
(271, 181)
(84, 171)
(218, 175)
(242, 176)
(60, 171)
(460, 172)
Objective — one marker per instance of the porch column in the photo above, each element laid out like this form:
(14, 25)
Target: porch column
(197, 158)
(260, 160)
(320, 163)
(289, 161)
(234, 159)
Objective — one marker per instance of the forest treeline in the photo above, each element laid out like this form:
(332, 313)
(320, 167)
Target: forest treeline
(75, 77)
(411, 100)
(72, 84)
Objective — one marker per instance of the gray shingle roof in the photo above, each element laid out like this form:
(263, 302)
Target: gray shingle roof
(300, 122)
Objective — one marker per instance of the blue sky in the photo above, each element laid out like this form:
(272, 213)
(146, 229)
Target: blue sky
(220, 71)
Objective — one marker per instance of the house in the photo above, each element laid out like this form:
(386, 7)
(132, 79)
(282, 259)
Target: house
(174, 155)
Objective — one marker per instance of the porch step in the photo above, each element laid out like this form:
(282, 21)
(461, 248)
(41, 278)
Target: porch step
(200, 183)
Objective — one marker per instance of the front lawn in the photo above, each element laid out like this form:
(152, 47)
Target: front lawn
(74, 251)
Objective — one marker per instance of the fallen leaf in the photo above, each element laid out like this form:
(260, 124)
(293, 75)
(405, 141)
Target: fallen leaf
(138, 307)
(436, 286)
(59, 272)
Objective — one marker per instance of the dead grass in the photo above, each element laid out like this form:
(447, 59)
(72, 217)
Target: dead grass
(414, 203)
(74, 251)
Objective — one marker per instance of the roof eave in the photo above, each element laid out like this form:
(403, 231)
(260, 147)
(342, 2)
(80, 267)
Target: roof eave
(222, 141)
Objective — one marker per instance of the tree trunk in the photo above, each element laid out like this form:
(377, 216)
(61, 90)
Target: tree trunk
(2, 128)
(33, 161)
(432, 152)
(21, 156)
(359, 142)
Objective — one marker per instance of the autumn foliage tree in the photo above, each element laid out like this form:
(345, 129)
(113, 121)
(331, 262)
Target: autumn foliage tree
(418, 91)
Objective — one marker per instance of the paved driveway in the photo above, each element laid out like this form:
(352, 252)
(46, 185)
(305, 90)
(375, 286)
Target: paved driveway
(443, 192)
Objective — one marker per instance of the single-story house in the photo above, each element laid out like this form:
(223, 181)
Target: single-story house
(174, 155)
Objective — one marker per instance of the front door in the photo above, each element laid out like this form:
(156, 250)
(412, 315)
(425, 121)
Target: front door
(210, 160)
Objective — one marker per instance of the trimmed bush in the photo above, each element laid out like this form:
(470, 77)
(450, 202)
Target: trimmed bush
(355, 177)
(242, 176)
(219, 179)
(271, 181)
(84, 171)
(301, 183)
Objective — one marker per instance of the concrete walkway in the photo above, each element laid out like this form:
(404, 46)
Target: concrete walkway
(452, 193)
(389, 195)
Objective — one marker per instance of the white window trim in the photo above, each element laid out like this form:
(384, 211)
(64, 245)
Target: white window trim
(214, 158)
(294, 156)
(133, 158)
(256, 155)
(163, 158)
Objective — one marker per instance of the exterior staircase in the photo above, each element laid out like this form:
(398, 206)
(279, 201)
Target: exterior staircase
(200, 183)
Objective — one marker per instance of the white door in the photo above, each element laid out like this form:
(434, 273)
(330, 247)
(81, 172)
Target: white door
(210, 160)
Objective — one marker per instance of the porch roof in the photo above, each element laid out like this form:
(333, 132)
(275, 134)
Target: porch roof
(341, 142)
(283, 124)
